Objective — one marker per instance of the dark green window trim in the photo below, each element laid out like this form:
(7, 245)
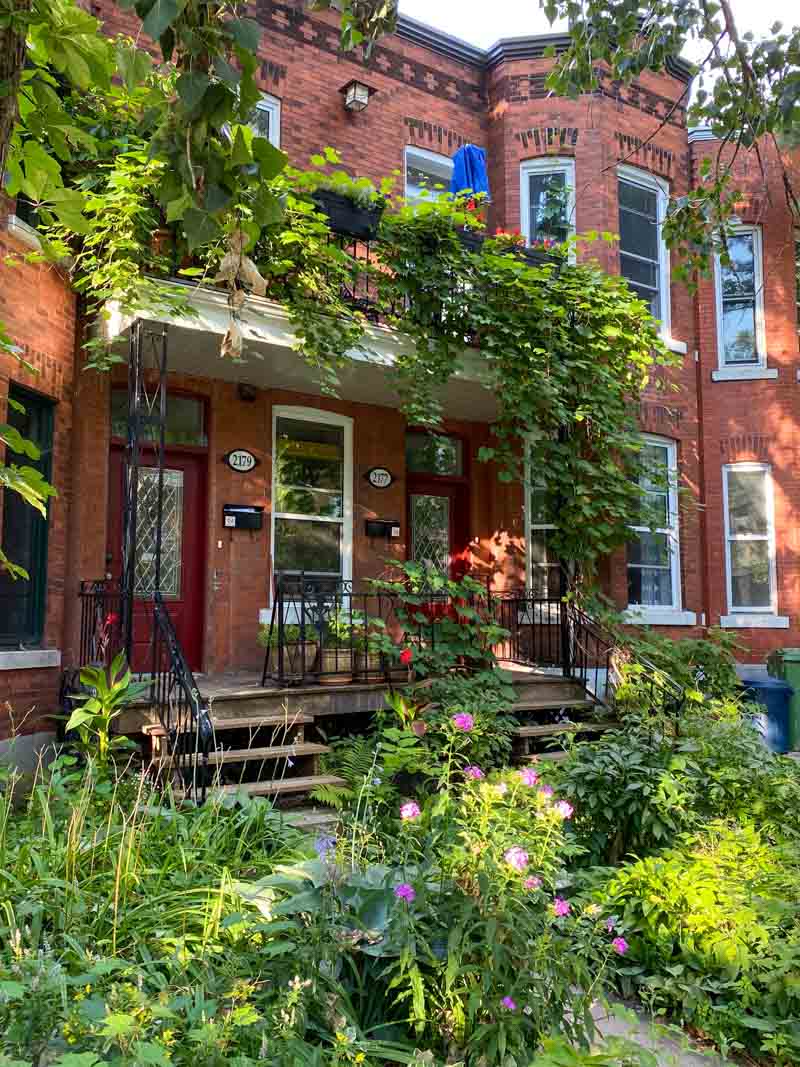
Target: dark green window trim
(24, 533)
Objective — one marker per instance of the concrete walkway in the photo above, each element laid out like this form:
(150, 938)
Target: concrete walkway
(672, 1047)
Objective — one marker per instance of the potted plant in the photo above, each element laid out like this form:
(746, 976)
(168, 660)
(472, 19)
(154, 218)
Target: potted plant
(543, 252)
(336, 654)
(367, 636)
(299, 648)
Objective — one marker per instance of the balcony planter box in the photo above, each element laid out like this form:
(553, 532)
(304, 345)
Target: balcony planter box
(538, 258)
(347, 217)
(471, 241)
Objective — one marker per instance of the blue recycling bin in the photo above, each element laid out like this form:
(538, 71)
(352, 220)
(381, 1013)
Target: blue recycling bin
(773, 723)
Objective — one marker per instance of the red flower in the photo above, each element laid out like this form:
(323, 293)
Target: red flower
(406, 656)
(111, 618)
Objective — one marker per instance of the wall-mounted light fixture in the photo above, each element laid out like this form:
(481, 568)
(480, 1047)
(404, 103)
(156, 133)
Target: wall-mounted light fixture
(356, 95)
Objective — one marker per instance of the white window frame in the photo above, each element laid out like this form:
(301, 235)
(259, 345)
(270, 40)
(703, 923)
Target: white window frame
(325, 418)
(529, 526)
(745, 616)
(546, 165)
(425, 155)
(665, 614)
(272, 105)
(653, 184)
(758, 369)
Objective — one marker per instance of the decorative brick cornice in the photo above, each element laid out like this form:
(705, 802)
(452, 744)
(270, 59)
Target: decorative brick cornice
(437, 138)
(271, 72)
(744, 445)
(294, 22)
(652, 414)
(649, 154)
(545, 138)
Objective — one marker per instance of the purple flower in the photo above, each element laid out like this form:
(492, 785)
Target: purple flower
(405, 892)
(529, 776)
(409, 810)
(516, 857)
(546, 792)
(463, 721)
(473, 771)
(620, 945)
(564, 809)
(532, 883)
(509, 1004)
(323, 845)
(610, 924)
(561, 907)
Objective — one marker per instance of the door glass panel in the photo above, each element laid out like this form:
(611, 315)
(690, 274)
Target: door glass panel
(430, 531)
(305, 545)
(147, 532)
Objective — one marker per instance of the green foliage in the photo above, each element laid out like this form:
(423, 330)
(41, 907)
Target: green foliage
(713, 924)
(704, 666)
(110, 693)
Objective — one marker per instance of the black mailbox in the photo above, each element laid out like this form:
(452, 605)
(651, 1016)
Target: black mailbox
(388, 528)
(242, 517)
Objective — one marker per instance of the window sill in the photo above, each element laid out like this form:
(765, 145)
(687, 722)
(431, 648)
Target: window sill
(673, 345)
(24, 233)
(30, 660)
(744, 374)
(760, 621)
(652, 617)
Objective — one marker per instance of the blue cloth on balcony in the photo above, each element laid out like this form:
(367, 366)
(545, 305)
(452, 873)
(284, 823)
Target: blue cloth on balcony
(469, 170)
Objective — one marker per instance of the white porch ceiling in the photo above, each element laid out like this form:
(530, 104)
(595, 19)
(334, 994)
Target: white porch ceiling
(270, 361)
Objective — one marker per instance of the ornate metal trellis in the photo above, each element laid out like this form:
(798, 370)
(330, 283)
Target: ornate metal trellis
(147, 418)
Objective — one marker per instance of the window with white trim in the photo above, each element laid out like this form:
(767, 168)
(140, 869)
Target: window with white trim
(741, 336)
(427, 174)
(547, 199)
(749, 538)
(265, 119)
(312, 492)
(654, 577)
(643, 256)
(542, 568)
(797, 277)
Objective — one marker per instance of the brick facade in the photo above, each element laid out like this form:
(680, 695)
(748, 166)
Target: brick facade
(435, 93)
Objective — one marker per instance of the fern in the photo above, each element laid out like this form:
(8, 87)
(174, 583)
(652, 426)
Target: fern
(351, 758)
(335, 796)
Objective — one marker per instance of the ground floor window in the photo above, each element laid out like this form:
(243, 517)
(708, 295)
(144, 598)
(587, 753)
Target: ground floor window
(542, 568)
(653, 551)
(749, 537)
(24, 530)
(312, 513)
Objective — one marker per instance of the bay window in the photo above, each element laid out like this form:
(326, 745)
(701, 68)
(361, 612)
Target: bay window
(653, 553)
(312, 512)
(643, 257)
(547, 198)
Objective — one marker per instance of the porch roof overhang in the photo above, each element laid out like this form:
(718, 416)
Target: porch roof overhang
(270, 357)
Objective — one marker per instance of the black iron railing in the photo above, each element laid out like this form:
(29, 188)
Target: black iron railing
(101, 629)
(180, 707)
(535, 628)
(589, 654)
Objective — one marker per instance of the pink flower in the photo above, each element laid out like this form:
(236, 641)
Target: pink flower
(564, 809)
(409, 810)
(406, 656)
(419, 728)
(502, 789)
(463, 721)
(473, 771)
(561, 907)
(528, 776)
(532, 883)
(405, 892)
(516, 857)
(620, 945)
(546, 792)
(509, 1004)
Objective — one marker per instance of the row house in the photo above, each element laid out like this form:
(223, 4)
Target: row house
(726, 553)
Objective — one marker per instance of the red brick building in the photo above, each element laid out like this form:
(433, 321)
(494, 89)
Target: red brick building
(727, 552)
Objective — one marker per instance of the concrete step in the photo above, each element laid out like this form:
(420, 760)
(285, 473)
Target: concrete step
(542, 757)
(244, 755)
(545, 687)
(278, 786)
(553, 729)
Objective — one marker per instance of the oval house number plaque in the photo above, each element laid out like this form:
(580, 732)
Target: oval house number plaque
(380, 478)
(241, 460)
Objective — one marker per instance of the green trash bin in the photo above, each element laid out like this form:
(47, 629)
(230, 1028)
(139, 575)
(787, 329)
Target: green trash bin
(785, 663)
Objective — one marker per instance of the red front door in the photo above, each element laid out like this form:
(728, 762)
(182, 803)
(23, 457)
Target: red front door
(438, 517)
(183, 546)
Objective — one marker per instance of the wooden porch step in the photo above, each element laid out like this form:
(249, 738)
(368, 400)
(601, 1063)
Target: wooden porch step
(554, 704)
(243, 755)
(241, 722)
(277, 786)
(549, 729)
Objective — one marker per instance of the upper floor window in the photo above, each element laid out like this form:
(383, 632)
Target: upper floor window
(653, 553)
(749, 537)
(740, 301)
(542, 566)
(797, 276)
(24, 529)
(265, 119)
(312, 492)
(427, 174)
(547, 199)
(643, 257)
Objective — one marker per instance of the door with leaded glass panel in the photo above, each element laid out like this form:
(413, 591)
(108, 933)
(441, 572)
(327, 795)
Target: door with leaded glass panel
(438, 502)
(183, 536)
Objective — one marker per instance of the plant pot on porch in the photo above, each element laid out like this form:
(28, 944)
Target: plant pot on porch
(538, 257)
(369, 666)
(347, 217)
(336, 666)
(299, 659)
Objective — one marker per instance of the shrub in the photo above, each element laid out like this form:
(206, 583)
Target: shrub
(706, 665)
